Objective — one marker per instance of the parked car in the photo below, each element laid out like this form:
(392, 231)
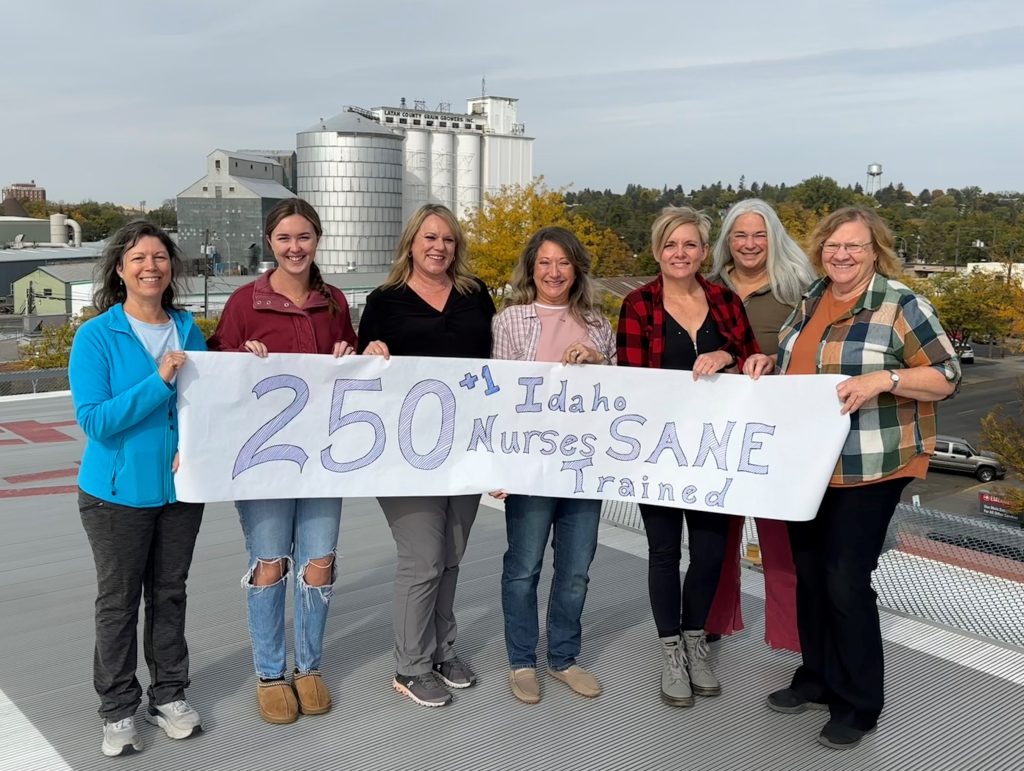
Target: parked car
(954, 453)
(965, 352)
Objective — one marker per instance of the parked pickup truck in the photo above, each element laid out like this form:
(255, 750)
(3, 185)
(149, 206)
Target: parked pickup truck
(954, 453)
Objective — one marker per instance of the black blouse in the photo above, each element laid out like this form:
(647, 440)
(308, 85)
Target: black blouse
(410, 326)
(680, 350)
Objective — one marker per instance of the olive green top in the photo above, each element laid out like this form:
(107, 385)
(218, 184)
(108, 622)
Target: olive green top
(765, 313)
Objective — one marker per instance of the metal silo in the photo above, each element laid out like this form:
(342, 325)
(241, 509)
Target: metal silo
(350, 168)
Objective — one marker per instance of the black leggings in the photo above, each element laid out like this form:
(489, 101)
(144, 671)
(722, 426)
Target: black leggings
(676, 610)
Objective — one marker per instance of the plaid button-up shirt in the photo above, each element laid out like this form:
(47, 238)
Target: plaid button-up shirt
(890, 327)
(515, 333)
(641, 333)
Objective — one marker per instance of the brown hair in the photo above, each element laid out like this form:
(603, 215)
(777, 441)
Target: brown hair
(523, 291)
(110, 288)
(297, 206)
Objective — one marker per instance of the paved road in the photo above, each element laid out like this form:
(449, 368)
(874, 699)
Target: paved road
(987, 383)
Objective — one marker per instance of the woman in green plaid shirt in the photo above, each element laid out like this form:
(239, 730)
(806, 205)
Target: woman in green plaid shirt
(859, 321)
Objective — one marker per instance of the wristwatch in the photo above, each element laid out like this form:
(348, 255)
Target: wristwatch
(894, 379)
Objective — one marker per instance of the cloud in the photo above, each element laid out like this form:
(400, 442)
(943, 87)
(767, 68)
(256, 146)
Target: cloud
(654, 91)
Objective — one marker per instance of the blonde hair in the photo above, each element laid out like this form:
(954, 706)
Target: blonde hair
(458, 270)
(672, 217)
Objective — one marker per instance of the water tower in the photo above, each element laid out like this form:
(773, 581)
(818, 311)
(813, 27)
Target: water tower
(874, 178)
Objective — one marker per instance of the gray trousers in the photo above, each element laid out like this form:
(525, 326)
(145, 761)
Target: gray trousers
(430, 536)
(140, 554)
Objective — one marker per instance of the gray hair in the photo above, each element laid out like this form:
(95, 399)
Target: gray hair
(789, 269)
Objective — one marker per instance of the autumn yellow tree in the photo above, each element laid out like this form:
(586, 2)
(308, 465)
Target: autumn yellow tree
(1005, 435)
(974, 304)
(52, 347)
(499, 228)
(798, 221)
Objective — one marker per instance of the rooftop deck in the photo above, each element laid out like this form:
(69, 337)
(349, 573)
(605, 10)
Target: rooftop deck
(954, 700)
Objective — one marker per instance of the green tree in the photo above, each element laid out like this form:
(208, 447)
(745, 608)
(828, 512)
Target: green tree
(51, 349)
(165, 217)
(822, 195)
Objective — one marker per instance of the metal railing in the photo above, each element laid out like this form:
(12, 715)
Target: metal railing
(33, 381)
(963, 571)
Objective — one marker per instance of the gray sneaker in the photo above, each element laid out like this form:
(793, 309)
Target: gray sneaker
(423, 689)
(675, 683)
(702, 679)
(121, 738)
(177, 718)
(455, 673)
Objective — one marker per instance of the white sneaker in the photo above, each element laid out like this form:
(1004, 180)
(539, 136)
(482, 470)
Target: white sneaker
(121, 738)
(177, 718)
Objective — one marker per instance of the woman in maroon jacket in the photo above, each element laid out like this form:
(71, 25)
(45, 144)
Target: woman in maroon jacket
(289, 310)
(680, 321)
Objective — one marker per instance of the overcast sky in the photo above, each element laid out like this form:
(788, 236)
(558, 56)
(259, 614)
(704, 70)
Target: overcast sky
(122, 101)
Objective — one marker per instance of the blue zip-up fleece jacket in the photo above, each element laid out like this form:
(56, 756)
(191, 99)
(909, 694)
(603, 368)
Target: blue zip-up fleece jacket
(128, 413)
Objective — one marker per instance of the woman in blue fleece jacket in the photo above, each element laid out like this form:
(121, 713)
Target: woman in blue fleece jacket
(122, 371)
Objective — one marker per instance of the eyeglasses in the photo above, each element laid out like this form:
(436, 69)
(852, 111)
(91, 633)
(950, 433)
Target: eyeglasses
(851, 249)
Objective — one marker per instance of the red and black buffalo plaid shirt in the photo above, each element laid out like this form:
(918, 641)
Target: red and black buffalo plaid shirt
(641, 335)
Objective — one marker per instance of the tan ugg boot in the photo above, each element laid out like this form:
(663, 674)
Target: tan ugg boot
(314, 698)
(277, 702)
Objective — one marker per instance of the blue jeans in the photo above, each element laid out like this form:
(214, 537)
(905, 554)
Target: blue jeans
(293, 531)
(529, 521)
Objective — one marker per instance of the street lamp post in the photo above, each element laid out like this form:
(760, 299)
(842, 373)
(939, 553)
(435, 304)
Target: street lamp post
(903, 249)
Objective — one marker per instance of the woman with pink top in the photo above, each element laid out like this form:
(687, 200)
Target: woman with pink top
(549, 315)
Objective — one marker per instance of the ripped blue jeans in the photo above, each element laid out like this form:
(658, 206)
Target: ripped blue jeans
(294, 532)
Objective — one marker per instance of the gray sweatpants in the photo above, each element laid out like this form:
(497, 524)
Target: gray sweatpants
(140, 554)
(430, 536)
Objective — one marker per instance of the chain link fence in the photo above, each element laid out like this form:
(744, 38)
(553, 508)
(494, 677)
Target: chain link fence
(963, 571)
(33, 381)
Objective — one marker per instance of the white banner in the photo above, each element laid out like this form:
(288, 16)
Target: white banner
(302, 426)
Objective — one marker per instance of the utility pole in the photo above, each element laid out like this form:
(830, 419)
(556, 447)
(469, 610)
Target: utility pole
(30, 305)
(206, 275)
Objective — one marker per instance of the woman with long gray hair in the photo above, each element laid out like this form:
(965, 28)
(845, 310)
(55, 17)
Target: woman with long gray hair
(757, 259)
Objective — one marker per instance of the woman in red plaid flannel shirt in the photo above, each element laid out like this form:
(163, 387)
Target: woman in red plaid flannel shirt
(680, 321)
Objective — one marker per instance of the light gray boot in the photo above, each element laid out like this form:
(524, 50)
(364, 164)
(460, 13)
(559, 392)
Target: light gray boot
(675, 683)
(698, 660)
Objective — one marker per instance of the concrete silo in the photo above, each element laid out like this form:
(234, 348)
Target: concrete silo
(467, 173)
(351, 169)
(442, 189)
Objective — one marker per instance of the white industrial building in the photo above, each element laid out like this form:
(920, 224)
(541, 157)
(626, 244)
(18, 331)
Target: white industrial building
(1004, 270)
(367, 171)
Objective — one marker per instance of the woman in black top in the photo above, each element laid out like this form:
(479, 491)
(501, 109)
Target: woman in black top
(430, 305)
